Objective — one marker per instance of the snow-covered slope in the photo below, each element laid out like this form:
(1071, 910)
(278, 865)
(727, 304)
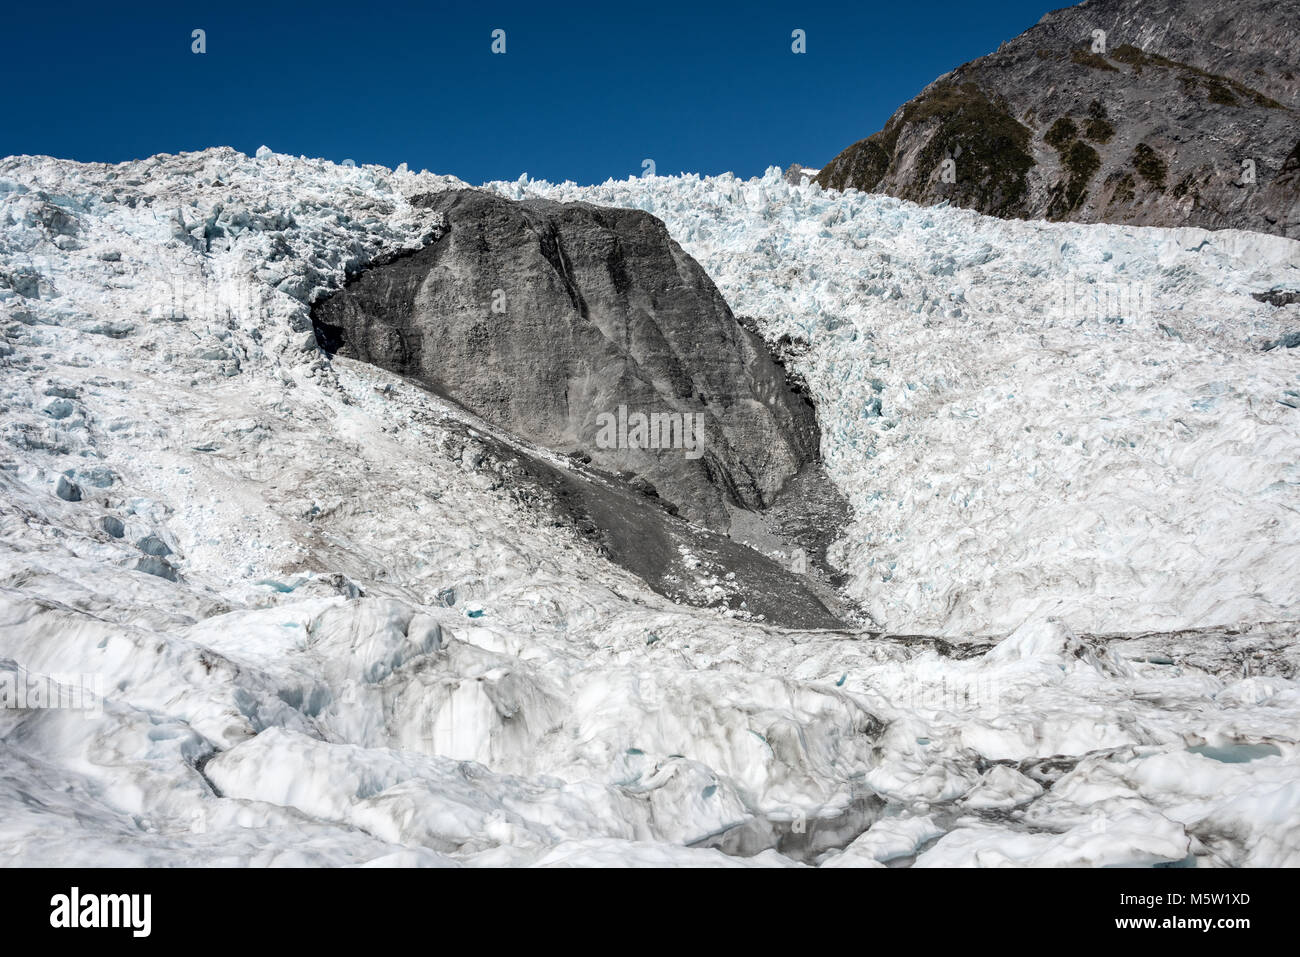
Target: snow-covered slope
(324, 633)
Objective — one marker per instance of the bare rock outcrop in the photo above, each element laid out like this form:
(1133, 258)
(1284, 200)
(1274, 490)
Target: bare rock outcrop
(568, 323)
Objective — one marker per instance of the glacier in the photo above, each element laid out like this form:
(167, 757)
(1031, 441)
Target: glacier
(325, 635)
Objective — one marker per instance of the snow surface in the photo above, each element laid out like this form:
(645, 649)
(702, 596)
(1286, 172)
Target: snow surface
(1087, 527)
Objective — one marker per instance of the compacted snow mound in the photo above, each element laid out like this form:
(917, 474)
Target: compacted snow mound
(291, 613)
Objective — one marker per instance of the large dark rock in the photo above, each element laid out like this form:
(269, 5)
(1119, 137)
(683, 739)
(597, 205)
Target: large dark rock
(1278, 297)
(545, 318)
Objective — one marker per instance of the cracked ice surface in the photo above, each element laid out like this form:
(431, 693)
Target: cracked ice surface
(252, 551)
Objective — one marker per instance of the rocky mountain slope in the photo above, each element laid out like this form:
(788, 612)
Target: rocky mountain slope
(1151, 112)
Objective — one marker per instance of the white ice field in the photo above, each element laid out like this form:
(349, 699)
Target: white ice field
(1075, 472)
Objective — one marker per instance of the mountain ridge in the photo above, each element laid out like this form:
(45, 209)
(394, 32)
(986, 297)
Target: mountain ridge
(1173, 113)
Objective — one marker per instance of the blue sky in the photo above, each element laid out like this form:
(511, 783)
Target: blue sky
(585, 91)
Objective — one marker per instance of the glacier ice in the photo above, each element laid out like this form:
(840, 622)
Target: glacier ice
(1075, 494)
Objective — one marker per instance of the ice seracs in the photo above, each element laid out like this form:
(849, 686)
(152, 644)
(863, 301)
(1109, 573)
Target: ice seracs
(1079, 533)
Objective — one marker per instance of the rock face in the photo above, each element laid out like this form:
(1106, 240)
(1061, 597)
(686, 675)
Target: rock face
(796, 174)
(565, 323)
(1152, 112)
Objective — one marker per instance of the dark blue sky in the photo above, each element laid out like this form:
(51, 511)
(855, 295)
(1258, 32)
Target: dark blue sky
(585, 91)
